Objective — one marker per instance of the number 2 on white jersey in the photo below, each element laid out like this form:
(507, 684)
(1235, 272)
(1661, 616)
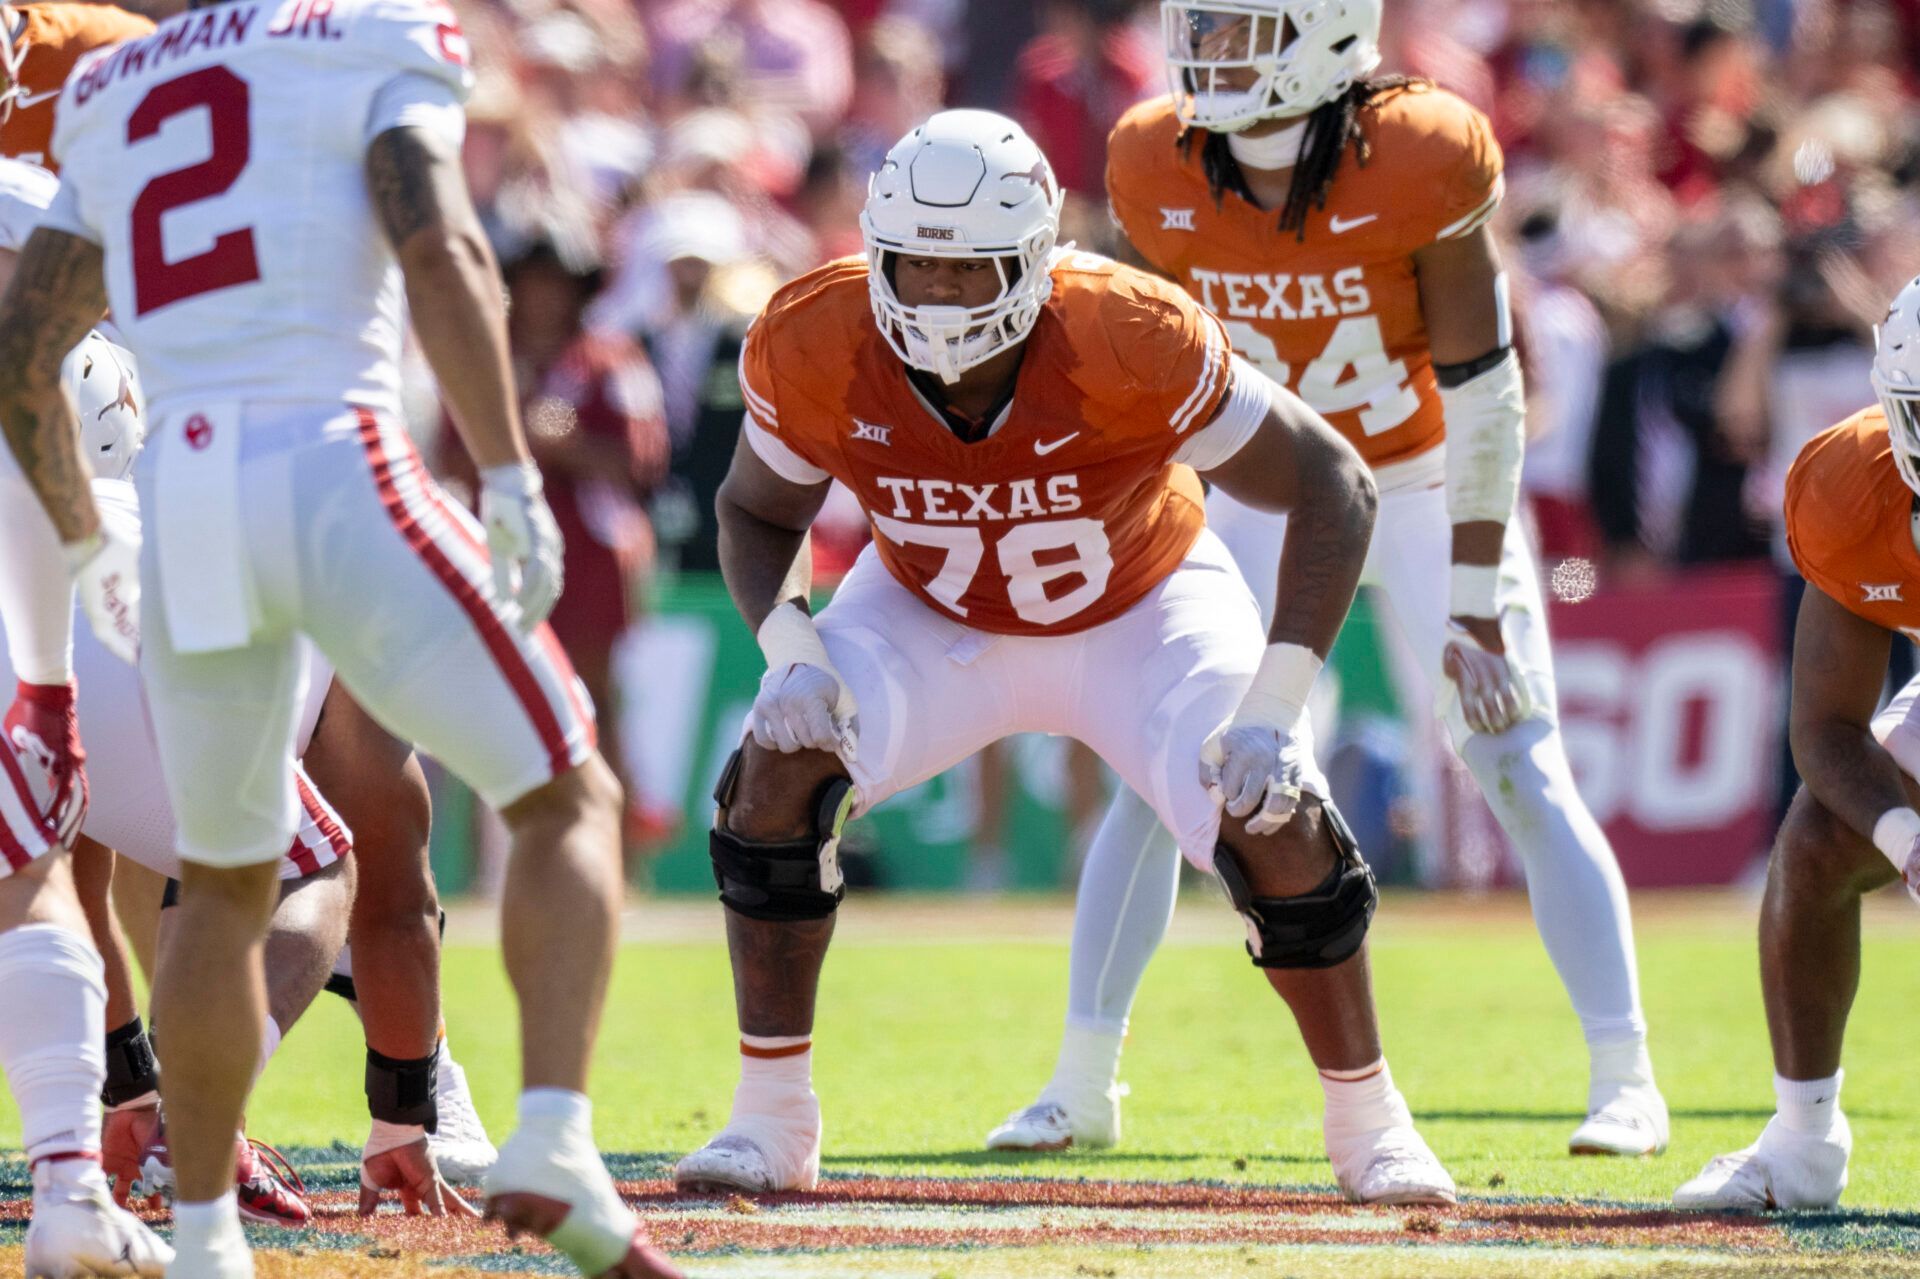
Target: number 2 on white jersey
(1018, 553)
(231, 259)
(1377, 387)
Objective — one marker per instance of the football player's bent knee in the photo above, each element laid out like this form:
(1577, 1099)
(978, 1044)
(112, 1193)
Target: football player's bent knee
(1816, 853)
(1316, 929)
(779, 880)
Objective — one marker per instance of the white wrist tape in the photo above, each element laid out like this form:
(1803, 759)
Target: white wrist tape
(1280, 687)
(1486, 439)
(518, 479)
(1473, 590)
(1894, 834)
(789, 638)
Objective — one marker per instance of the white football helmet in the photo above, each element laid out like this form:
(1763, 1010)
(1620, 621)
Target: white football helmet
(1233, 63)
(113, 413)
(966, 184)
(1896, 379)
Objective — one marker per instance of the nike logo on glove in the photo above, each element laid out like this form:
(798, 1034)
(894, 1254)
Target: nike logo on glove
(1050, 445)
(1339, 225)
(26, 100)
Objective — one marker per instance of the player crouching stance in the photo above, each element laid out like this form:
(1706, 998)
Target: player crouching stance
(1019, 427)
(52, 986)
(1851, 523)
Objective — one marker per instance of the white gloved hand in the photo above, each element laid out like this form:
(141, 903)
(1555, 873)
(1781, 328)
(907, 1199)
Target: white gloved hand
(1248, 769)
(522, 539)
(106, 574)
(805, 707)
(1493, 696)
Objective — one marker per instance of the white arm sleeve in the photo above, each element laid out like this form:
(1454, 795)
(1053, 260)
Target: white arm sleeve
(1486, 440)
(1241, 414)
(418, 99)
(36, 594)
(785, 463)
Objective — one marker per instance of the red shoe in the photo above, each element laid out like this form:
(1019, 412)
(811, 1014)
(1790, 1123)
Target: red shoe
(269, 1190)
(265, 1185)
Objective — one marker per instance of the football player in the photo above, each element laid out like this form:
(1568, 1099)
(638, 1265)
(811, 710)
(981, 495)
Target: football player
(1853, 525)
(1336, 224)
(388, 895)
(1022, 426)
(42, 42)
(53, 996)
(283, 499)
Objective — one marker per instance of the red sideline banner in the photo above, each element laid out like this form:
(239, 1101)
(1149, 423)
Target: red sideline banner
(1670, 703)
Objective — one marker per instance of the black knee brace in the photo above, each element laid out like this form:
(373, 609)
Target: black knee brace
(403, 1091)
(787, 880)
(1317, 929)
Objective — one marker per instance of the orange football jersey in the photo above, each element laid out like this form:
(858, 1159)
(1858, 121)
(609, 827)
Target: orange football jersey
(1850, 522)
(1335, 318)
(52, 37)
(1069, 512)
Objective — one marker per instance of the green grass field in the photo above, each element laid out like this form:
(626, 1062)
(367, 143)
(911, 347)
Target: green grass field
(938, 1016)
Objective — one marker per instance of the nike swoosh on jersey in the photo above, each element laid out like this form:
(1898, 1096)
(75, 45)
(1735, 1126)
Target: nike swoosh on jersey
(26, 100)
(1338, 225)
(1045, 447)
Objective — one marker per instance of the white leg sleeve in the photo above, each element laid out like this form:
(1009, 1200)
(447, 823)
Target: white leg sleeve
(36, 595)
(1127, 891)
(53, 1004)
(1579, 899)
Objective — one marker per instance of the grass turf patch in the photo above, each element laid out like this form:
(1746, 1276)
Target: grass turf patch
(935, 1021)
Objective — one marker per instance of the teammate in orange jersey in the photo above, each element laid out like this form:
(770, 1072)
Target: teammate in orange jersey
(44, 41)
(1853, 524)
(1022, 426)
(1336, 224)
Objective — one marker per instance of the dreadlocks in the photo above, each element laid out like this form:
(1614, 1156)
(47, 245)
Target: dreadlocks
(1330, 128)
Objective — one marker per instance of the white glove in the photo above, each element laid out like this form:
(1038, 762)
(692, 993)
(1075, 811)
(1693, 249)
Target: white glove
(106, 573)
(1493, 696)
(1246, 767)
(803, 707)
(523, 540)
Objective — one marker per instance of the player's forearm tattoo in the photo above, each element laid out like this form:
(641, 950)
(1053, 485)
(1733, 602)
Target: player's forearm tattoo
(1327, 538)
(56, 294)
(403, 182)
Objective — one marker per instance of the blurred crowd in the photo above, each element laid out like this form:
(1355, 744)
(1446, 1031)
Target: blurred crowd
(1709, 204)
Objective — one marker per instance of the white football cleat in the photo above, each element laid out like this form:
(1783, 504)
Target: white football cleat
(557, 1188)
(1784, 1169)
(78, 1232)
(460, 1144)
(1087, 1119)
(1632, 1122)
(756, 1155)
(1389, 1166)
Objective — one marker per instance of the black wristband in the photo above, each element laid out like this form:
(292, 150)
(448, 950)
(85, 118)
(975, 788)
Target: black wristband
(132, 1069)
(403, 1091)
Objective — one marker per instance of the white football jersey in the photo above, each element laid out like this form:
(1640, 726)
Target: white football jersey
(219, 162)
(25, 192)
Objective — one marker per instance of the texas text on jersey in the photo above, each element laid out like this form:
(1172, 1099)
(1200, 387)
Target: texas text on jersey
(1850, 523)
(1335, 316)
(1063, 517)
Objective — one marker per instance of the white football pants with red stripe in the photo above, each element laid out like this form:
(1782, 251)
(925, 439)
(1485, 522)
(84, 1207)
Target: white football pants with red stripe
(345, 539)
